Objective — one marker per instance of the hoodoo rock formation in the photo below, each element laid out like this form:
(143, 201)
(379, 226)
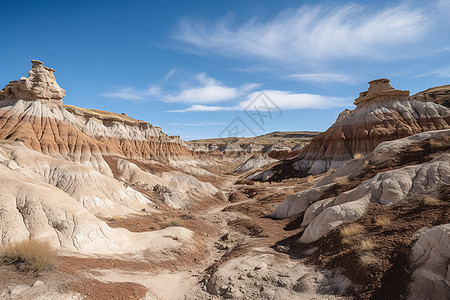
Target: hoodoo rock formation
(40, 85)
(382, 113)
(63, 170)
(31, 111)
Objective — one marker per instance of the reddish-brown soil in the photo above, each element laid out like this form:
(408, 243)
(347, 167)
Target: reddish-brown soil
(98, 290)
(387, 275)
(282, 155)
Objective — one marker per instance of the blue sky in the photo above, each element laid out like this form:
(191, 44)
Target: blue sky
(214, 68)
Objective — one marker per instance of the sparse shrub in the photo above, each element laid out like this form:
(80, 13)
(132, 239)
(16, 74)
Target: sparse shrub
(366, 245)
(382, 221)
(368, 259)
(358, 156)
(350, 233)
(29, 255)
(431, 201)
(187, 216)
(366, 164)
(310, 179)
(170, 223)
(157, 218)
(343, 180)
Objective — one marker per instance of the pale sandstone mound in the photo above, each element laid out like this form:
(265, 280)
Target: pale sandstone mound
(430, 256)
(100, 194)
(385, 188)
(439, 95)
(267, 276)
(297, 203)
(174, 188)
(382, 114)
(389, 187)
(30, 208)
(253, 163)
(40, 85)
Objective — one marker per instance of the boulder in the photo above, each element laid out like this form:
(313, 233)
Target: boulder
(430, 257)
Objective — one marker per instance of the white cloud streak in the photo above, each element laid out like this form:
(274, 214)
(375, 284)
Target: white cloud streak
(321, 77)
(314, 33)
(199, 124)
(131, 94)
(276, 100)
(206, 90)
(210, 91)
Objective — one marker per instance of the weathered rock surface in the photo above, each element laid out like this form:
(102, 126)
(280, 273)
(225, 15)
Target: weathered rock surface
(382, 114)
(40, 85)
(55, 180)
(320, 217)
(439, 95)
(55, 200)
(255, 162)
(430, 256)
(266, 276)
(274, 141)
(175, 188)
(77, 134)
(385, 188)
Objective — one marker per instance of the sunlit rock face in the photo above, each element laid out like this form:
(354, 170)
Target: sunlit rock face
(39, 85)
(31, 111)
(382, 113)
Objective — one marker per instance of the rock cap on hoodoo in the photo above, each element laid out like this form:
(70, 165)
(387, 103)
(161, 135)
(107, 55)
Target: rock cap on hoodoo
(39, 85)
(380, 89)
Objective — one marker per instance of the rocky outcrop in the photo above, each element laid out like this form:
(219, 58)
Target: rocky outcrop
(382, 114)
(439, 95)
(40, 85)
(276, 142)
(58, 201)
(267, 276)
(321, 216)
(76, 134)
(255, 162)
(430, 257)
(64, 169)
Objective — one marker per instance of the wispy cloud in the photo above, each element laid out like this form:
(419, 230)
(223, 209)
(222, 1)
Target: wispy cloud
(282, 100)
(204, 108)
(199, 124)
(169, 74)
(132, 94)
(205, 90)
(442, 72)
(321, 77)
(314, 33)
(209, 91)
(126, 93)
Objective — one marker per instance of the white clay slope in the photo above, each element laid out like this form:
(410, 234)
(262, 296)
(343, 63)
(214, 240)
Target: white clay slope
(320, 217)
(30, 208)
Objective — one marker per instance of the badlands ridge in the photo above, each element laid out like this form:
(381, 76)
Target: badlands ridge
(360, 211)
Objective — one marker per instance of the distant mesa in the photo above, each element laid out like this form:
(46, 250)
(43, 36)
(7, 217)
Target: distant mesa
(39, 85)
